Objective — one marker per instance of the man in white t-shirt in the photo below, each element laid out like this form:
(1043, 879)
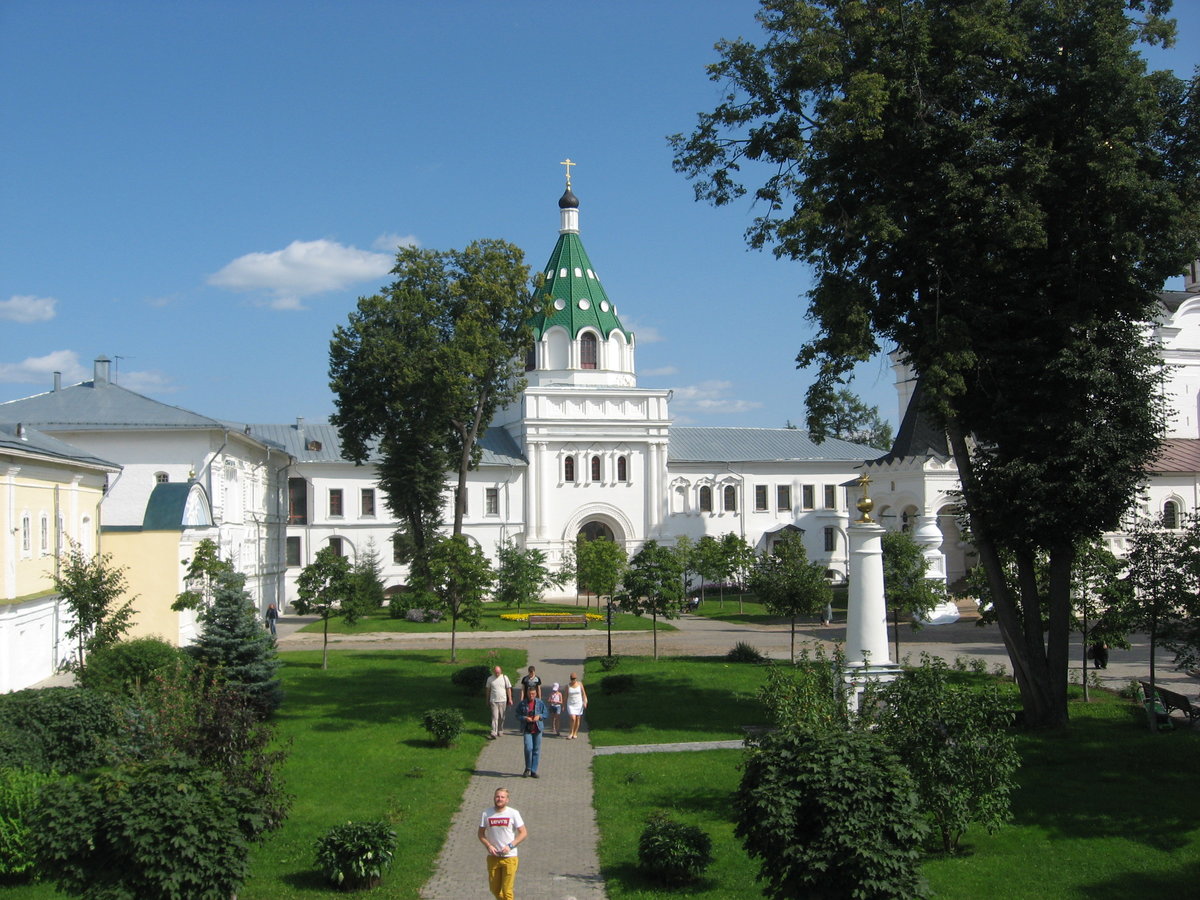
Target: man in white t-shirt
(500, 830)
(498, 691)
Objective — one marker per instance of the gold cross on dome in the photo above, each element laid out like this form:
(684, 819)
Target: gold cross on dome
(567, 162)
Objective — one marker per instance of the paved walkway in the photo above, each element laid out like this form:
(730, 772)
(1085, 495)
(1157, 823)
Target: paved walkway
(558, 859)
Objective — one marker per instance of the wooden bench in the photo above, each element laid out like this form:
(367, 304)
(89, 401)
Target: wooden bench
(1173, 700)
(557, 619)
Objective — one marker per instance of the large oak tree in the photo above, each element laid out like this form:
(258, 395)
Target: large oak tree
(998, 188)
(421, 368)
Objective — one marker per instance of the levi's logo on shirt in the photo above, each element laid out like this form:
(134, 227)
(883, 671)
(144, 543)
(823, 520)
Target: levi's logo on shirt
(499, 821)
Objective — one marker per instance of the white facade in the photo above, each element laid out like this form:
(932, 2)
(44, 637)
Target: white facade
(585, 450)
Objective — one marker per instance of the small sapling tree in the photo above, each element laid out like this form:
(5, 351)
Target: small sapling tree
(326, 587)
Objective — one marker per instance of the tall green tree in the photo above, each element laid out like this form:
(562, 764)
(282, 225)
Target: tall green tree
(421, 368)
(456, 578)
(788, 584)
(999, 189)
(847, 417)
(739, 557)
(710, 563)
(905, 587)
(92, 588)
(367, 572)
(653, 584)
(1101, 596)
(522, 576)
(599, 565)
(326, 587)
(200, 580)
(234, 646)
(685, 554)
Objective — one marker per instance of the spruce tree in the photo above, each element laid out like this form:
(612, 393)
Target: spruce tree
(234, 646)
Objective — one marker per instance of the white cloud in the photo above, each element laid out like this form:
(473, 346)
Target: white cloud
(301, 269)
(146, 382)
(26, 308)
(388, 243)
(712, 397)
(646, 334)
(40, 369)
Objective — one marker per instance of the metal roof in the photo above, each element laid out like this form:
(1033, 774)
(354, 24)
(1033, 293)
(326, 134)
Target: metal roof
(1178, 455)
(320, 443)
(35, 442)
(692, 444)
(100, 406)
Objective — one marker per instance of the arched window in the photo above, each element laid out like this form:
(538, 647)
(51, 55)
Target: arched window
(569, 469)
(45, 536)
(705, 499)
(622, 469)
(531, 359)
(25, 546)
(587, 351)
(1170, 515)
(730, 498)
(595, 468)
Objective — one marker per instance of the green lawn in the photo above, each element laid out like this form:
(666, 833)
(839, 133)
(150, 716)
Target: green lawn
(746, 609)
(491, 621)
(674, 699)
(1106, 811)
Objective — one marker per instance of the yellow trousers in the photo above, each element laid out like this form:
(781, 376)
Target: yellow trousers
(502, 874)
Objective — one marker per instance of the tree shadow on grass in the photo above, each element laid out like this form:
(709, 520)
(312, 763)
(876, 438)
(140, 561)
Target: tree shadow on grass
(632, 879)
(1178, 883)
(307, 880)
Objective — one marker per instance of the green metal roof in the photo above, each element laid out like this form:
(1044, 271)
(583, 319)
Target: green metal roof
(572, 294)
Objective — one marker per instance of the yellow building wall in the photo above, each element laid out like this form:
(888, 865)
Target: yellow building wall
(151, 560)
(43, 491)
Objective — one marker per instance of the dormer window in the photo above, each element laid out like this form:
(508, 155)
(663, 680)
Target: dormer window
(587, 351)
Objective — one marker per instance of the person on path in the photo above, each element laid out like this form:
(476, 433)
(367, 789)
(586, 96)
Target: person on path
(555, 703)
(1100, 655)
(500, 830)
(498, 691)
(531, 682)
(576, 704)
(272, 617)
(532, 714)
(827, 616)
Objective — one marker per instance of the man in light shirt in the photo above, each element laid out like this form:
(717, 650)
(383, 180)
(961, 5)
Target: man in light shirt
(500, 830)
(499, 693)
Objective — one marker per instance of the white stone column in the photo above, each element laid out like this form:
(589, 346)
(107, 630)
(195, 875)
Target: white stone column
(537, 479)
(929, 537)
(867, 656)
(866, 614)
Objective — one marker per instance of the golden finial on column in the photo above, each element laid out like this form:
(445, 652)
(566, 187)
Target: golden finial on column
(567, 162)
(865, 504)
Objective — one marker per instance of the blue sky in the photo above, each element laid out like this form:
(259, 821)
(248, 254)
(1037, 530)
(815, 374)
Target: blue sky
(201, 191)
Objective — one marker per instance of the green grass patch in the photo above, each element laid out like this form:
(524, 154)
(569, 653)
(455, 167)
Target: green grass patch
(358, 751)
(694, 788)
(677, 698)
(490, 621)
(747, 609)
(1104, 811)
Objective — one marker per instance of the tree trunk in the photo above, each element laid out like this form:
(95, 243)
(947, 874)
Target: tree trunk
(1042, 704)
(325, 645)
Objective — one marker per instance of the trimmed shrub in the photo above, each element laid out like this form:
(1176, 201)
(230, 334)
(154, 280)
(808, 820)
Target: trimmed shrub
(744, 653)
(444, 725)
(608, 663)
(471, 678)
(354, 856)
(18, 803)
(164, 830)
(672, 852)
(121, 668)
(616, 684)
(804, 791)
(62, 728)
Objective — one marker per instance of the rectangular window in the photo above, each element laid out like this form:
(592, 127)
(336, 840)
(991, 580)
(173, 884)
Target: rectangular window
(335, 544)
(783, 498)
(293, 552)
(368, 501)
(335, 503)
(760, 498)
(493, 501)
(46, 536)
(398, 556)
(831, 496)
(297, 501)
(808, 496)
(830, 540)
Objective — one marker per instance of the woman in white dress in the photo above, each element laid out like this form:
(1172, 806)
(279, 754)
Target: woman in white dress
(576, 704)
